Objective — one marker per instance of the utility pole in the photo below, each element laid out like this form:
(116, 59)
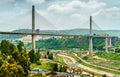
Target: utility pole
(90, 39)
(33, 27)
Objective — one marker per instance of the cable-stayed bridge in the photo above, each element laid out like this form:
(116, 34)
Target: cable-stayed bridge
(36, 17)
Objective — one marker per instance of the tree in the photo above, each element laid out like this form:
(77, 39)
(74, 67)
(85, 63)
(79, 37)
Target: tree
(63, 68)
(104, 76)
(117, 50)
(34, 56)
(20, 46)
(5, 47)
(37, 56)
(11, 60)
(54, 66)
(11, 70)
(1, 62)
(31, 55)
(17, 63)
(50, 56)
(12, 47)
(24, 62)
(16, 55)
(22, 59)
(48, 52)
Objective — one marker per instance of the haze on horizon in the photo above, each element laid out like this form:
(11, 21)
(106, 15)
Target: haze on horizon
(61, 14)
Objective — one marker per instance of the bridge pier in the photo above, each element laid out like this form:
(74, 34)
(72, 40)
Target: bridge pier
(33, 27)
(106, 42)
(110, 42)
(90, 46)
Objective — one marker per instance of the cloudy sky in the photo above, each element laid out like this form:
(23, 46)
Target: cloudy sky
(64, 14)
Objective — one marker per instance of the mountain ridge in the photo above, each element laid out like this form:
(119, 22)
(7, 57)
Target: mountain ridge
(75, 31)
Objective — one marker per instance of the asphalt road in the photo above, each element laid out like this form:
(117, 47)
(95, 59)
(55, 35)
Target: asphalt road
(72, 61)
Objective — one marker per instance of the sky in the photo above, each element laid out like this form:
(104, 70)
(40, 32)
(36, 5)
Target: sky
(63, 14)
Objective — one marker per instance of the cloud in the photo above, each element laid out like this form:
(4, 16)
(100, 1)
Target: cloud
(97, 12)
(79, 17)
(91, 4)
(78, 8)
(76, 5)
(6, 1)
(113, 12)
(36, 1)
(72, 13)
(59, 8)
(108, 18)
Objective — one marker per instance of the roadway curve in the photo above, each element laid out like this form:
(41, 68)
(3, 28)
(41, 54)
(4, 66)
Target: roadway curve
(74, 62)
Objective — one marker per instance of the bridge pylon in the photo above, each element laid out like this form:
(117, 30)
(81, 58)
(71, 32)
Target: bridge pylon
(90, 39)
(33, 27)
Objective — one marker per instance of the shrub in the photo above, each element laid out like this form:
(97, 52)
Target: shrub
(85, 58)
(38, 63)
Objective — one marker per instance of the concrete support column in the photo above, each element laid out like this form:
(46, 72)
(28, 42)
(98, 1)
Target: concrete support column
(90, 46)
(106, 43)
(33, 42)
(110, 42)
(33, 27)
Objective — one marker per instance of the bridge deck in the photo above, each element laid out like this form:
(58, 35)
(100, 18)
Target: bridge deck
(47, 34)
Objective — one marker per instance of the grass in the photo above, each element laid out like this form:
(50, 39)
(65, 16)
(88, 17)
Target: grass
(59, 60)
(87, 58)
(113, 59)
(92, 66)
(44, 65)
(38, 75)
(109, 55)
(113, 64)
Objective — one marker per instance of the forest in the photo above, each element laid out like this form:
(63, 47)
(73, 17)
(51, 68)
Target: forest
(63, 43)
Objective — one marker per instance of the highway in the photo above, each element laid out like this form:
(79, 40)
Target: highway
(73, 61)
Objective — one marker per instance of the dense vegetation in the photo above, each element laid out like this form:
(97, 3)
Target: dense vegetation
(117, 50)
(69, 43)
(15, 60)
(109, 55)
(51, 66)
